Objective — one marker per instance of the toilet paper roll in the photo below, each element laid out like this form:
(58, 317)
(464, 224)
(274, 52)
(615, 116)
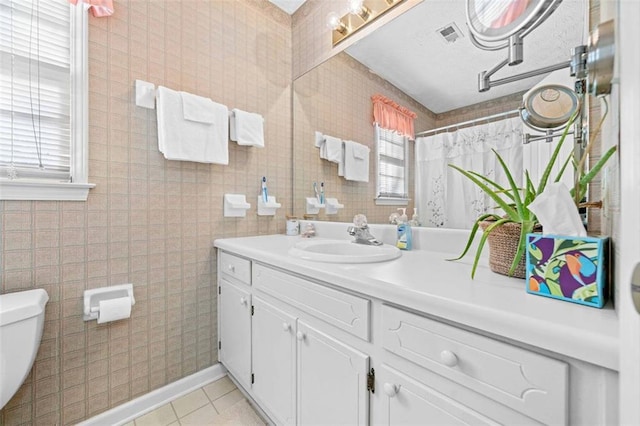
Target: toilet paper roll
(114, 309)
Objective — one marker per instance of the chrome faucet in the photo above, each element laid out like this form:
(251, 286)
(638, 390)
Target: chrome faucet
(360, 230)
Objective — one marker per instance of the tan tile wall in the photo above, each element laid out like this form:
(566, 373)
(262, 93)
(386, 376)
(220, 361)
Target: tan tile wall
(149, 221)
(335, 99)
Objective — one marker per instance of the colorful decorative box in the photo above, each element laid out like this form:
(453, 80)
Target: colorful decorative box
(568, 268)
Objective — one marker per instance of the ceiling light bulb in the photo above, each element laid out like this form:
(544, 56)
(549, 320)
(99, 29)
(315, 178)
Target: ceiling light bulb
(335, 23)
(357, 7)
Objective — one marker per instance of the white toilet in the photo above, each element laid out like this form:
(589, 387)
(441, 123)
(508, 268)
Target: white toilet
(21, 324)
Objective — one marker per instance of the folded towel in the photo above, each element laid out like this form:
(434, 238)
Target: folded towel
(185, 140)
(333, 149)
(360, 152)
(247, 128)
(356, 161)
(319, 139)
(197, 108)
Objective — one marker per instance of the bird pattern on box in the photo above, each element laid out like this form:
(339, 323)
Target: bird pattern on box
(567, 268)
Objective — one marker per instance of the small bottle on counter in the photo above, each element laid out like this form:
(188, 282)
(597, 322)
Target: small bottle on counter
(404, 235)
(293, 226)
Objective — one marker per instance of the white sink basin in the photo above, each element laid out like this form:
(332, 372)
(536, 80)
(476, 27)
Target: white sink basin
(343, 251)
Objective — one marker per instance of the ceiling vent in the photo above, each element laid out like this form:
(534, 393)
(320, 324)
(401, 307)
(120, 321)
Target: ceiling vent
(450, 33)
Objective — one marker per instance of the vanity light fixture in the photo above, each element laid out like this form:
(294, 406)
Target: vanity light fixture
(361, 13)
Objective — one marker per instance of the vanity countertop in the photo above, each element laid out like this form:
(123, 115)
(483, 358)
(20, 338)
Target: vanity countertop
(424, 281)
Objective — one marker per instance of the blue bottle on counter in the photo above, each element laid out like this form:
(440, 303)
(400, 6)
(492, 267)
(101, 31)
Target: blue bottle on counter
(404, 237)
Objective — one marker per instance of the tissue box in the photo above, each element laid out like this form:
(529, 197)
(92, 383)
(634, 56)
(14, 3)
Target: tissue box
(568, 268)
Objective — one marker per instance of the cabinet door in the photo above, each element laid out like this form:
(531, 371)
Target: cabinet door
(406, 401)
(274, 355)
(332, 380)
(235, 331)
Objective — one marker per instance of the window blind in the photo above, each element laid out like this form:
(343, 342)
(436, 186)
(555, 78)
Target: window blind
(392, 164)
(35, 89)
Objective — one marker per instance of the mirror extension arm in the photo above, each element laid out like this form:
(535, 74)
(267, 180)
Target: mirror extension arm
(484, 78)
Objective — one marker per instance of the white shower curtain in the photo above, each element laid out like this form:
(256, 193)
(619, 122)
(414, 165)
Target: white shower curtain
(444, 197)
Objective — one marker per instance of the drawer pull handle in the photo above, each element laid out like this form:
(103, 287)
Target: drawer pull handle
(448, 358)
(243, 301)
(300, 335)
(390, 389)
(286, 326)
(232, 269)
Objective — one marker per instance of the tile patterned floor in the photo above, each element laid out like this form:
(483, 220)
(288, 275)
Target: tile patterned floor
(218, 403)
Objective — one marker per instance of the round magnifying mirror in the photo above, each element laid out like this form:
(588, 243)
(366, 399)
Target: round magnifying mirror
(549, 106)
(497, 20)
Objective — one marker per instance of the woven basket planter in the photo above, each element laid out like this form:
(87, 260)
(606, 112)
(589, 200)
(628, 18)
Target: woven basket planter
(503, 245)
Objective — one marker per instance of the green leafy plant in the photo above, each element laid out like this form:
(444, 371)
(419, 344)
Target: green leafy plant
(514, 201)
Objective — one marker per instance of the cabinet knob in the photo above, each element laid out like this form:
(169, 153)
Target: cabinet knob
(390, 389)
(231, 268)
(300, 335)
(286, 326)
(243, 301)
(448, 358)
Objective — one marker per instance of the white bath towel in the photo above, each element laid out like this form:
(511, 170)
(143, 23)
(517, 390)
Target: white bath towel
(185, 140)
(197, 108)
(247, 128)
(332, 149)
(356, 161)
(319, 139)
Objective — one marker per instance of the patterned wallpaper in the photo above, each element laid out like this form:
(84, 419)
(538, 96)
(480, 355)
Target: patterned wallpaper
(149, 221)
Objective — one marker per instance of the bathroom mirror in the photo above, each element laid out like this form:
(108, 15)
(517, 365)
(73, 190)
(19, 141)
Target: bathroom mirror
(424, 61)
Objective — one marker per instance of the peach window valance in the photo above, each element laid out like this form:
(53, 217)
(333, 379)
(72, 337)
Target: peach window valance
(99, 8)
(389, 115)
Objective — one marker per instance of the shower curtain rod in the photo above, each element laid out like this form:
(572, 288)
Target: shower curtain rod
(467, 123)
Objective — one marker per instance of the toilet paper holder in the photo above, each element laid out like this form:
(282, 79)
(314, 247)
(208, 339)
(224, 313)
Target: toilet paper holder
(93, 297)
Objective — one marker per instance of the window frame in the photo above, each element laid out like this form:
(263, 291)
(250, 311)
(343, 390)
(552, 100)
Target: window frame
(78, 189)
(391, 200)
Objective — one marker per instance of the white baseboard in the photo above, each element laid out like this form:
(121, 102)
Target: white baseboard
(148, 402)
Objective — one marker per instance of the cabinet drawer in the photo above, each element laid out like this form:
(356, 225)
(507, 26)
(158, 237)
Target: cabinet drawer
(528, 382)
(406, 401)
(345, 311)
(236, 267)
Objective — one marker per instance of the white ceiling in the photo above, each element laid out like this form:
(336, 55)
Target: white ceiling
(411, 55)
(288, 6)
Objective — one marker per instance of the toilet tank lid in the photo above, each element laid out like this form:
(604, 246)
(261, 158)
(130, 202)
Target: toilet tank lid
(21, 305)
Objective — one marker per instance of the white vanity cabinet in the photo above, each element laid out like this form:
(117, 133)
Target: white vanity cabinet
(308, 352)
(274, 361)
(507, 383)
(332, 380)
(234, 309)
(294, 368)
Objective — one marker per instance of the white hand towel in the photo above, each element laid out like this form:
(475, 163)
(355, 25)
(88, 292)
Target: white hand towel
(247, 128)
(356, 161)
(319, 139)
(333, 149)
(196, 108)
(180, 139)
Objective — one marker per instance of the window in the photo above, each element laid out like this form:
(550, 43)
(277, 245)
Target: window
(43, 100)
(393, 169)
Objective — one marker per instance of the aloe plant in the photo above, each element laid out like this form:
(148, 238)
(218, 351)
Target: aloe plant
(516, 200)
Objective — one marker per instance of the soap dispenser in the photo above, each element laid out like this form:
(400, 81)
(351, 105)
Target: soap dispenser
(415, 220)
(404, 237)
(403, 216)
